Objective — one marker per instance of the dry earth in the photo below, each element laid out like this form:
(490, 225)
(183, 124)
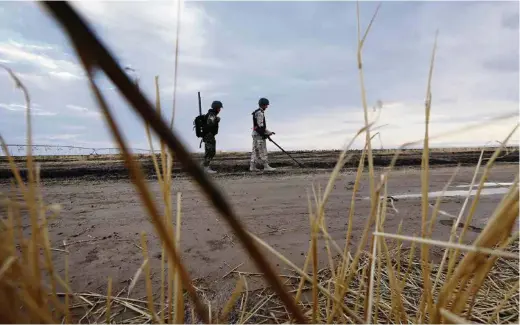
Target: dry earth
(111, 167)
(101, 221)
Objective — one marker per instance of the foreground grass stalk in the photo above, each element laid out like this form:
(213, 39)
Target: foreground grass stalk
(484, 178)
(360, 43)
(425, 184)
(179, 301)
(31, 193)
(109, 302)
(94, 54)
(498, 227)
(479, 279)
(177, 38)
(347, 310)
(456, 223)
(138, 179)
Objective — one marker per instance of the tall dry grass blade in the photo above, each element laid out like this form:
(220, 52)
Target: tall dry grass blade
(138, 179)
(498, 228)
(178, 29)
(179, 301)
(360, 43)
(472, 210)
(30, 198)
(149, 137)
(479, 278)
(425, 184)
(162, 144)
(469, 248)
(370, 23)
(148, 278)
(482, 270)
(302, 280)
(67, 298)
(6, 265)
(378, 287)
(306, 276)
(231, 301)
(314, 272)
(90, 49)
(452, 318)
(109, 302)
(133, 282)
(456, 223)
(361, 245)
(373, 259)
(162, 297)
(495, 314)
(242, 320)
(483, 179)
(436, 207)
(344, 265)
(395, 288)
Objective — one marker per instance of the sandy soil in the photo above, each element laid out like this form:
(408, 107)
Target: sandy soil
(102, 220)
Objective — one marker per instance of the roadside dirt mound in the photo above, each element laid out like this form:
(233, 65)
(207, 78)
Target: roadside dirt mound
(112, 167)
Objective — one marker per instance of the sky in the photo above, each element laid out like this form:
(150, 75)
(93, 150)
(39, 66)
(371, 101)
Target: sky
(299, 55)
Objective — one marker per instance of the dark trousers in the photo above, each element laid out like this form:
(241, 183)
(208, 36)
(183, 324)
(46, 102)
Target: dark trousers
(210, 146)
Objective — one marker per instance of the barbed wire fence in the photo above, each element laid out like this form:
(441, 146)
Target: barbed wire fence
(51, 150)
(71, 150)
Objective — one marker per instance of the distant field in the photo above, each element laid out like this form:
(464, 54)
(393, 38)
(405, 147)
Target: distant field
(112, 166)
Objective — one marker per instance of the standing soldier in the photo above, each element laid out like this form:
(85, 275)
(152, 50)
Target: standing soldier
(210, 131)
(260, 134)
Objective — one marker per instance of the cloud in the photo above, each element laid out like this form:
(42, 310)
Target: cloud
(27, 54)
(300, 55)
(74, 127)
(402, 123)
(35, 110)
(57, 137)
(151, 22)
(83, 111)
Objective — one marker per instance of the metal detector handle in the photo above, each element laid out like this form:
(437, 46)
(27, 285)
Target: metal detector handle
(276, 144)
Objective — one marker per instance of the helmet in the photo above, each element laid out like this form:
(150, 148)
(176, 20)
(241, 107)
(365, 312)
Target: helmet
(216, 104)
(263, 102)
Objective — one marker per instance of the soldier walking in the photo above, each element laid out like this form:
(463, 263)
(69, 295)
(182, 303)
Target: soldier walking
(210, 131)
(260, 134)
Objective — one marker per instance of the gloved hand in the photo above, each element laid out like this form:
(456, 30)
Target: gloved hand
(218, 119)
(271, 133)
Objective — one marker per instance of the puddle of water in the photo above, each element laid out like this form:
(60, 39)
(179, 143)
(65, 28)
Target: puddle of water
(486, 184)
(485, 191)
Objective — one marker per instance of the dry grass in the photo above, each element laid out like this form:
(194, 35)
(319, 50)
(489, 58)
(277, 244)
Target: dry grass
(387, 283)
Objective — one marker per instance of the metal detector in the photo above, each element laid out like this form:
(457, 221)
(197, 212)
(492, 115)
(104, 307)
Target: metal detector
(276, 144)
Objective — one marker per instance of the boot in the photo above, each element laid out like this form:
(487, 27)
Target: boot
(268, 168)
(209, 170)
(252, 168)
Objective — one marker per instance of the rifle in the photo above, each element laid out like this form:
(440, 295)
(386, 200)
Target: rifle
(200, 105)
(200, 114)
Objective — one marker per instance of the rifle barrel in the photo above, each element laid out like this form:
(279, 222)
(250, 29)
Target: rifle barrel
(200, 105)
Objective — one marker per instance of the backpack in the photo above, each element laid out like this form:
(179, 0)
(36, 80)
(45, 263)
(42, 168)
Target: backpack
(199, 124)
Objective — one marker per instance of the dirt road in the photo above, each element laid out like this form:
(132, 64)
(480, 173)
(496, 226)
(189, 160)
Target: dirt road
(101, 222)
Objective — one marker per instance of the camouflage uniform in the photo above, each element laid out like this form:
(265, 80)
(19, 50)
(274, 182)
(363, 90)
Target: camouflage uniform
(210, 143)
(260, 133)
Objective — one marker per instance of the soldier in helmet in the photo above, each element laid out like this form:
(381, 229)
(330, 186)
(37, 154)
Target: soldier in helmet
(210, 131)
(260, 134)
